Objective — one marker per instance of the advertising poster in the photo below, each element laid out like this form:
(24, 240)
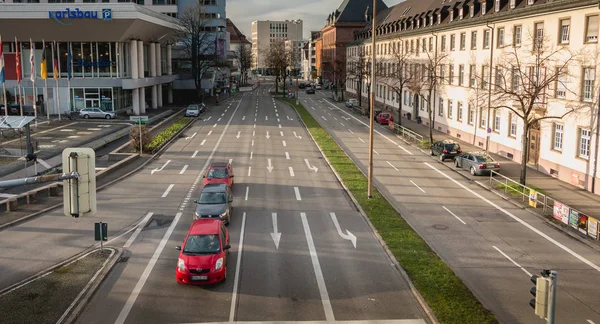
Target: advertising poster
(593, 227)
(532, 198)
(579, 221)
(574, 218)
(561, 212)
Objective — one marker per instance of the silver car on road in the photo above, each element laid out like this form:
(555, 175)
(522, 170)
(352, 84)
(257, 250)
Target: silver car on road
(478, 163)
(96, 113)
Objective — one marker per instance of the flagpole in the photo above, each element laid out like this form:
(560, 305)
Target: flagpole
(69, 68)
(32, 77)
(57, 76)
(18, 58)
(5, 100)
(3, 79)
(45, 81)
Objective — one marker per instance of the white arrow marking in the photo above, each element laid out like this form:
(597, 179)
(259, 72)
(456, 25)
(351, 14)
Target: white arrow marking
(297, 136)
(287, 155)
(161, 168)
(209, 133)
(313, 168)
(193, 135)
(268, 136)
(183, 169)
(275, 235)
(207, 119)
(288, 117)
(292, 172)
(243, 117)
(249, 170)
(348, 236)
(203, 141)
(281, 132)
(323, 117)
(266, 118)
(284, 144)
(167, 191)
(238, 135)
(194, 155)
(270, 167)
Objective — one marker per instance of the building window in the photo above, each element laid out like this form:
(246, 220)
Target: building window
(471, 10)
(430, 44)
(483, 7)
(441, 108)
(517, 35)
(484, 77)
(500, 41)
(497, 120)
(530, 2)
(442, 73)
(463, 41)
(472, 75)
(461, 75)
(482, 121)
(512, 4)
(591, 30)
(452, 42)
(589, 76)
(450, 109)
(460, 13)
(497, 5)
(451, 74)
(471, 115)
(460, 111)
(474, 40)
(515, 79)
(443, 43)
(539, 35)
(513, 125)
(565, 27)
(486, 39)
(584, 143)
(561, 84)
(499, 84)
(557, 137)
(424, 46)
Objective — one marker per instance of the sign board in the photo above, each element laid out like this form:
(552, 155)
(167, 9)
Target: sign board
(532, 198)
(138, 119)
(101, 231)
(76, 13)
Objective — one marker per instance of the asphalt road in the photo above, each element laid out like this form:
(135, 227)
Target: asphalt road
(314, 271)
(493, 246)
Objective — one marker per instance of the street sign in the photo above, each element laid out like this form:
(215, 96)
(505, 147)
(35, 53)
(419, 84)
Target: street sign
(101, 231)
(139, 119)
(489, 130)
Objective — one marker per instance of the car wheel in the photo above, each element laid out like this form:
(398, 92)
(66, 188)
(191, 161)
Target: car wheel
(107, 116)
(472, 170)
(442, 157)
(86, 116)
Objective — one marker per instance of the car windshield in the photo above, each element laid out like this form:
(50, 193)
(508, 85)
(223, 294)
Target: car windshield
(212, 198)
(202, 244)
(193, 108)
(483, 158)
(385, 115)
(217, 173)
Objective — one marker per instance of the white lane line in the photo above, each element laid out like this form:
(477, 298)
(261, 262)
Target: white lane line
(287, 155)
(318, 272)
(453, 214)
(42, 162)
(281, 133)
(313, 108)
(417, 186)
(361, 140)
(284, 144)
(255, 125)
(194, 155)
(247, 192)
(279, 125)
(209, 133)
(255, 119)
(292, 172)
(513, 261)
(509, 214)
(249, 170)
(139, 228)
(215, 125)
(223, 114)
(266, 118)
(252, 142)
(183, 169)
(203, 141)
(405, 150)
(590, 321)
(237, 271)
(276, 114)
(140, 284)
(375, 152)
(297, 192)
(350, 131)
(323, 117)
(251, 155)
(278, 120)
(243, 117)
(166, 193)
(342, 124)
(388, 162)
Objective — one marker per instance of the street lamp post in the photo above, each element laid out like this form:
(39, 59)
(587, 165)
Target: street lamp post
(372, 99)
(297, 22)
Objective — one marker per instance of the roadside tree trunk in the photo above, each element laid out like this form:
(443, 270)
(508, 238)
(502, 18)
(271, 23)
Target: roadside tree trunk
(399, 93)
(524, 153)
(431, 120)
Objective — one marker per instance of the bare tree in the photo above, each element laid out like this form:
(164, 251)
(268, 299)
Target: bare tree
(279, 59)
(397, 76)
(358, 70)
(198, 42)
(477, 94)
(245, 59)
(520, 83)
(340, 75)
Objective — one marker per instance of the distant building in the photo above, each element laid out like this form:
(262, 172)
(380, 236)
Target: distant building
(237, 40)
(265, 32)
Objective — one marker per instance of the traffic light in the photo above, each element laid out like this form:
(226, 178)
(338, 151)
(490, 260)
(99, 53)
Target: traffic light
(79, 193)
(541, 292)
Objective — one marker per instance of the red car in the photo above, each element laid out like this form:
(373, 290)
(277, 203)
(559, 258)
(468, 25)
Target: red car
(219, 172)
(385, 118)
(203, 259)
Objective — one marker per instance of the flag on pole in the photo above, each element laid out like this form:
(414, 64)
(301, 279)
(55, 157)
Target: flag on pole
(18, 63)
(43, 64)
(1, 63)
(31, 61)
(55, 61)
(69, 61)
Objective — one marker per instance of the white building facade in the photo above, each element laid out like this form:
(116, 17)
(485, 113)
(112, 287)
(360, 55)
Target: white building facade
(469, 44)
(265, 32)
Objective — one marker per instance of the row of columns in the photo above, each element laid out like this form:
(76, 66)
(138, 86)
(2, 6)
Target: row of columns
(137, 72)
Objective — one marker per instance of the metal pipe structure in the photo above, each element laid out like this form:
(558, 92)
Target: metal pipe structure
(39, 179)
(372, 99)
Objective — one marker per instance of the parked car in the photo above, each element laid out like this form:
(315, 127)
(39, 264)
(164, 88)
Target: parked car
(215, 202)
(445, 149)
(478, 163)
(375, 114)
(350, 103)
(385, 118)
(219, 172)
(192, 111)
(310, 90)
(318, 87)
(96, 113)
(203, 258)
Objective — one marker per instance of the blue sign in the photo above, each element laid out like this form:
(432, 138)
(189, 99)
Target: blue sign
(76, 13)
(101, 63)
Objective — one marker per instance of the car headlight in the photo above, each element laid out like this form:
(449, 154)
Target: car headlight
(181, 265)
(223, 214)
(196, 214)
(219, 264)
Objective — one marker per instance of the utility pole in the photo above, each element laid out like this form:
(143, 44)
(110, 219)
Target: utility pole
(372, 97)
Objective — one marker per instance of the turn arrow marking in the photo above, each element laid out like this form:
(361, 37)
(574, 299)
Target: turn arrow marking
(161, 168)
(275, 235)
(268, 136)
(270, 167)
(193, 135)
(297, 136)
(313, 168)
(350, 237)
(238, 135)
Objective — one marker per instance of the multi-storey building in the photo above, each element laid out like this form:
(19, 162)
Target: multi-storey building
(306, 66)
(237, 41)
(312, 43)
(482, 53)
(265, 32)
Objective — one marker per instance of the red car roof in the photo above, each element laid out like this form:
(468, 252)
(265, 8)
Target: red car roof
(218, 165)
(205, 226)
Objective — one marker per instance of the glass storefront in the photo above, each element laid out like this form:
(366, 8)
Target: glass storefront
(93, 98)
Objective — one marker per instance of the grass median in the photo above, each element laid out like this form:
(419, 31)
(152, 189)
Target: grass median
(164, 136)
(446, 294)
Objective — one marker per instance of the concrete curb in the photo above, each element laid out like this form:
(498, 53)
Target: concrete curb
(365, 217)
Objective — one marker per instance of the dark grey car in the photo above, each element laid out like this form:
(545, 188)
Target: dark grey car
(477, 163)
(215, 201)
(445, 149)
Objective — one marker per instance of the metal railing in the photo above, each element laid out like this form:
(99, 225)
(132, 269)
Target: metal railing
(406, 133)
(512, 189)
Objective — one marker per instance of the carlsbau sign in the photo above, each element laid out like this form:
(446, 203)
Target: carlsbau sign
(60, 15)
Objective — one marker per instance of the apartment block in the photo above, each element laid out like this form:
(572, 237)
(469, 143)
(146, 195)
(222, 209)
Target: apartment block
(265, 32)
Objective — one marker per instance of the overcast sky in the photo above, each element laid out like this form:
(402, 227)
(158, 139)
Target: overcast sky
(312, 12)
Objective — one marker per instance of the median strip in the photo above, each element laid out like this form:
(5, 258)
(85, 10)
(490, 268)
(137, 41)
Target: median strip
(445, 293)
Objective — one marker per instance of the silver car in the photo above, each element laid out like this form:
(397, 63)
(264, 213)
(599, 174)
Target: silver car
(192, 111)
(96, 113)
(478, 163)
